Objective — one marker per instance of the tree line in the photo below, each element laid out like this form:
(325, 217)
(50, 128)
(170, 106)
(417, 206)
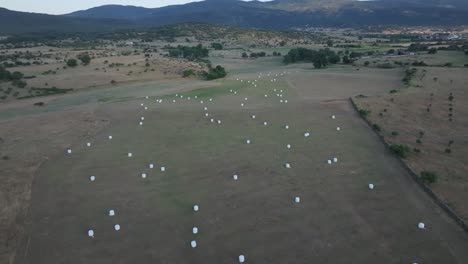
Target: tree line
(320, 58)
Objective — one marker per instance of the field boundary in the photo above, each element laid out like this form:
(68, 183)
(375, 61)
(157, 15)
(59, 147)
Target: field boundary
(451, 213)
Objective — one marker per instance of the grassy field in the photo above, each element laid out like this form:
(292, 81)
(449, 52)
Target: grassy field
(424, 118)
(338, 218)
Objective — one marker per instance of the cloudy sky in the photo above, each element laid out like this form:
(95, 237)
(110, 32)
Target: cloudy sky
(67, 6)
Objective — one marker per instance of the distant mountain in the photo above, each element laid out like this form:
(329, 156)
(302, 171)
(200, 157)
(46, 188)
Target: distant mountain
(114, 12)
(282, 14)
(17, 22)
(278, 14)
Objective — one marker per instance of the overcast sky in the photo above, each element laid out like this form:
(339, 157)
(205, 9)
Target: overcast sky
(67, 6)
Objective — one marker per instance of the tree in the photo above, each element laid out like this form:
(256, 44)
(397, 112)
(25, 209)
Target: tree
(330, 43)
(346, 60)
(72, 63)
(16, 75)
(84, 58)
(217, 46)
(245, 55)
(214, 73)
(432, 51)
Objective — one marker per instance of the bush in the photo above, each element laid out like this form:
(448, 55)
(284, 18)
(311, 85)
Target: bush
(364, 113)
(39, 104)
(217, 46)
(72, 63)
(429, 177)
(376, 127)
(188, 73)
(84, 58)
(401, 151)
(394, 133)
(214, 73)
(19, 83)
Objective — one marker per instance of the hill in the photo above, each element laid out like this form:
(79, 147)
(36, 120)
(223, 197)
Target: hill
(279, 14)
(18, 22)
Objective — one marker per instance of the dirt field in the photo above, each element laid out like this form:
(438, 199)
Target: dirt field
(338, 218)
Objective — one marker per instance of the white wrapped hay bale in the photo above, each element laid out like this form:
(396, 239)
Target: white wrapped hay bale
(421, 225)
(163, 169)
(141, 123)
(329, 162)
(235, 177)
(92, 178)
(211, 99)
(206, 114)
(335, 160)
(88, 144)
(306, 134)
(288, 146)
(146, 108)
(286, 126)
(333, 116)
(205, 108)
(151, 166)
(130, 155)
(371, 186)
(195, 230)
(142, 104)
(91, 233)
(69, 151)
(117, 227)
(195, 208)
(212, 120)
(143, 175)
(297, 199)
(247, 141)
(193, 244)
(111, 212)
(241, 259)
(287, 166)
(110, 137)
(219, 121)
(242, 104)
(265, 123)
(142, 118)
(338, 128)
(253, 116)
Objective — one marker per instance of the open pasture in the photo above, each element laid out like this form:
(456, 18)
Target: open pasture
(338, 219)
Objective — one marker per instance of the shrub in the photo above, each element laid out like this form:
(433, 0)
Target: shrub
(400, 150)
(217, 46)
(39, 104)
(448, 150)
(364, 113)
(376, 127)
(72, 63)
(188, 73)
(429, 177)
(416, 150)
(418, 141)
(84, 58)
(214, 73)
(394, 133)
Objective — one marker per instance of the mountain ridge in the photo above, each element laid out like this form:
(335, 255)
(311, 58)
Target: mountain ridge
(279, 14)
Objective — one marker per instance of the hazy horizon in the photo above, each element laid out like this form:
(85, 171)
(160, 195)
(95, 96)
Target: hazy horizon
(56, 7)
